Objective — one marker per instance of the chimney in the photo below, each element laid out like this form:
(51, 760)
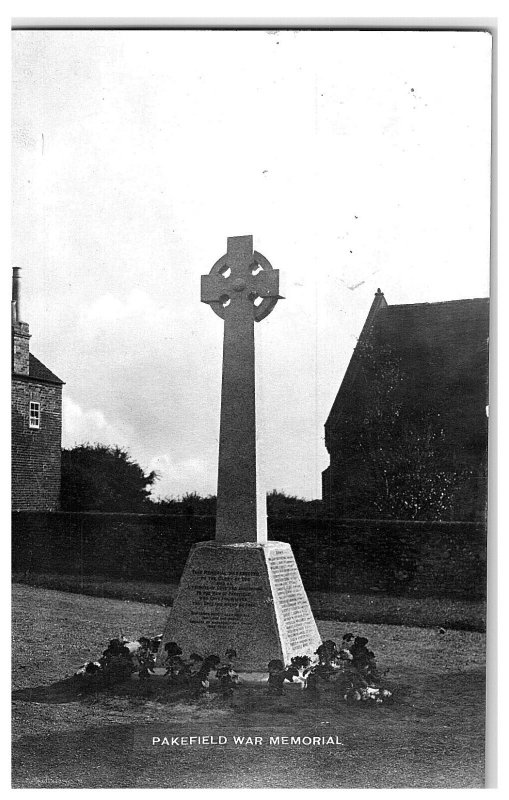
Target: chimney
(20, 330)
(16, 294)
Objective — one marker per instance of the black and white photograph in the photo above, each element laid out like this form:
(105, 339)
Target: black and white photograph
(250, 351)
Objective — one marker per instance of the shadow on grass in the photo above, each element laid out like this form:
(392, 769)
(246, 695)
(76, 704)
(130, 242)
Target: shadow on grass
(72, 690)
(247, 699)
(121, 756)
(91, 758)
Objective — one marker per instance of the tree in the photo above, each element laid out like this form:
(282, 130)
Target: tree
(100, 478)
(189, 505)
(399, 460)
(280, 504)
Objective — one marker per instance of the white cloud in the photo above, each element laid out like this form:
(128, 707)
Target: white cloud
(109, 308)
(91, 426)
(176, 477)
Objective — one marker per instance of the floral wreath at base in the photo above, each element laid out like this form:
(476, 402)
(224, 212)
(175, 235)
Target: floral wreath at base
(351, 667)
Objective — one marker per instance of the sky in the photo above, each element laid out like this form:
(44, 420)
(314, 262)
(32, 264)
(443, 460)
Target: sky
(357, 160)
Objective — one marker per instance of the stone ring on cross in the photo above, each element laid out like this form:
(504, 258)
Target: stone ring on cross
(241, 275)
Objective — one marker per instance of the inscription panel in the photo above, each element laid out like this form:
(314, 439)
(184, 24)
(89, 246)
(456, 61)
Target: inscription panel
(222, 597)
(297, 618)
(224, 600)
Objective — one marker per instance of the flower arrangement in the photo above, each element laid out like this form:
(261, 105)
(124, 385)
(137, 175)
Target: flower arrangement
(277, 676)
(196, 673)
(120, 660)
(351, 666)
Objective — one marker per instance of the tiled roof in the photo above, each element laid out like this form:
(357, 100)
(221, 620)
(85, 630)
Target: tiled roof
(39, 372)
(446, 342)
(442, 347)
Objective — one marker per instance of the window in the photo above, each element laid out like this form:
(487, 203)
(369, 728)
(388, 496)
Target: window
(35, 414)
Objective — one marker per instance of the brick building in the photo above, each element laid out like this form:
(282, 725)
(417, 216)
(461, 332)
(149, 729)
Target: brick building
(36, 421)
(434, 404)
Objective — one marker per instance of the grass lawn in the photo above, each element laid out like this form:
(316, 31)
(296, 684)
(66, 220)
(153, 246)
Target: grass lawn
(375, 608)
(432, 736)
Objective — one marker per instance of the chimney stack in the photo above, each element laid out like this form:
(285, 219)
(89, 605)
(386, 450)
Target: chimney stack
(16, 294)
(20, 330)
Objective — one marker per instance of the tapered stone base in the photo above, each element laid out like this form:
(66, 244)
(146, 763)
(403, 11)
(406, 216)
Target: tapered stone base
(248, 597)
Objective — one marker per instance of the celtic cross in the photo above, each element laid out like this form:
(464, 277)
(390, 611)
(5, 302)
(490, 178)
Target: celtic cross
(241, 288)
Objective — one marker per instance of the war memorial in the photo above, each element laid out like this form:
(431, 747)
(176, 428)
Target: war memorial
(241, 591)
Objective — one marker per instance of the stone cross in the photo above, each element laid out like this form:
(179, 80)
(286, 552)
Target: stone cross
(241, 288)
(241, 591)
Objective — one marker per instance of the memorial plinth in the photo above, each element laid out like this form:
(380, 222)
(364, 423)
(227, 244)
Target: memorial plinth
(241, 591)
(248, 597)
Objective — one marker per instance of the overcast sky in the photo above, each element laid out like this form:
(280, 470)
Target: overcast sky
(356, 160)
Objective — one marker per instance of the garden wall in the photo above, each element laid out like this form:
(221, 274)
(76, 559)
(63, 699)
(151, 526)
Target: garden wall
(437, 559)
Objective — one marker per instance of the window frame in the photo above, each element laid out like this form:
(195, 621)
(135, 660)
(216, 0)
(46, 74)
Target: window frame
(34, 420)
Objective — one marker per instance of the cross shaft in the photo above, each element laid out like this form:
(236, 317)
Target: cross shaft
(234, 283)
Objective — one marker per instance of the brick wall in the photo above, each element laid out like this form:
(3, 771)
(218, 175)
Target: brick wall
(428, 559)
(20, 348)
(435, 559)
(36, 452)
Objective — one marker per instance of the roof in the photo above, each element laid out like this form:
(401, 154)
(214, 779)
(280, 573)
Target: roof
(438, 339)
(38, 372)
(442, 346)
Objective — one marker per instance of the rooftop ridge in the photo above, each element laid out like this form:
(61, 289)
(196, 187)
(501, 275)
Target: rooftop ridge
(439, 302)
